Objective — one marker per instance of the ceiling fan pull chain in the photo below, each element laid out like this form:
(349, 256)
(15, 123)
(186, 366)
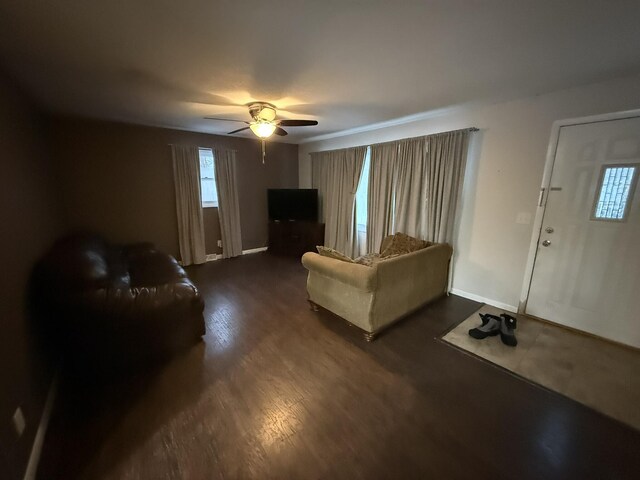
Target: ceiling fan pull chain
(263, 151)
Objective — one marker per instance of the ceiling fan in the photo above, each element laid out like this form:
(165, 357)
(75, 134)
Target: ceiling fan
(264, 122)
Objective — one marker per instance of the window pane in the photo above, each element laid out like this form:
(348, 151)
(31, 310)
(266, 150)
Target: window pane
(208, 179)
(362, 193)
(614, 192)
(209, 193)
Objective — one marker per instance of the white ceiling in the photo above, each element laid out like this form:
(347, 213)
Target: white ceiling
(346, 63)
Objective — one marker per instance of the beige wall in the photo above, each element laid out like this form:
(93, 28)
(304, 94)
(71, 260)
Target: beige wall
(503, 177)
(30, 222)
(118, 179)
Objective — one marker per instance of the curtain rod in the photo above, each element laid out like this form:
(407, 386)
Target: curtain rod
(210, 148)
(468, 129)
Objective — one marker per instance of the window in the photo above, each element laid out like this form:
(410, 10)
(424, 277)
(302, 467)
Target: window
(362, 193)
(208, 188)
(617, 183)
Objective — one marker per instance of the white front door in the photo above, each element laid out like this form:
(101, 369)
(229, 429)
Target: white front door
(587, 269)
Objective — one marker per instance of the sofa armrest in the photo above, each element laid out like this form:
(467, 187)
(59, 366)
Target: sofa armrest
(428, 267)
(354, 274)
(134, 304)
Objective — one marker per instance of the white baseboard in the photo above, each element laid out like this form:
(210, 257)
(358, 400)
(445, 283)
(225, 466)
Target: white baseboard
(212, 257)
(36, 449)
(488, 301)
(254, 250)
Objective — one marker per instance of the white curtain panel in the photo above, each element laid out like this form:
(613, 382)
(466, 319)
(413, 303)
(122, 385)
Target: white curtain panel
(410, 192)
(228, 204)
(186, 177)
(381, 194)
(446, 162)
(336, 175)
(319, 181)
(414, 186)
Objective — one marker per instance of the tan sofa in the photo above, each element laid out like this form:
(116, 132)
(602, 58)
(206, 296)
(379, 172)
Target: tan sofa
(374, 297)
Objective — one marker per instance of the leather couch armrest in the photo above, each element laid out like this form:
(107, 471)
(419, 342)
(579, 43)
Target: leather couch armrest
(135, 303)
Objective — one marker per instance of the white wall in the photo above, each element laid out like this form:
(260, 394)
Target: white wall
(503, 177)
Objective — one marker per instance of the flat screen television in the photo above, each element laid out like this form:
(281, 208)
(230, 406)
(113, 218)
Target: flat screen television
(291, 204)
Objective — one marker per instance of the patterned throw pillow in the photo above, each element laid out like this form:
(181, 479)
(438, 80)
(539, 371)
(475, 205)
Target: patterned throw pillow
(403, 243)
(372, 259)
(330, 252)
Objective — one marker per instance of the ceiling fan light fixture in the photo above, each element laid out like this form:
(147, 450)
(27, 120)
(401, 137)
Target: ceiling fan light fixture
(263, 129)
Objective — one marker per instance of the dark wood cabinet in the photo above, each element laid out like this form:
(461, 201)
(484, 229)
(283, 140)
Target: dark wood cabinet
(295, 238)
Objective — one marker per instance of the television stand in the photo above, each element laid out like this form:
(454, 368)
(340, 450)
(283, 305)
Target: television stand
(294, 237)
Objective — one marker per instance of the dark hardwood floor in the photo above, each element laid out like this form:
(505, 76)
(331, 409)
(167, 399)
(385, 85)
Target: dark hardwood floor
(278, 391)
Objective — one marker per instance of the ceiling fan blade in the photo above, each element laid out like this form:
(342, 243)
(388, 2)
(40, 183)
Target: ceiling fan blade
(280, 131)
(297, 123)
(239, 130)
(225, 120)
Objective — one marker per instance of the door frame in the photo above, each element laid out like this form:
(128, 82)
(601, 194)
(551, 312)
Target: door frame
(544, 189)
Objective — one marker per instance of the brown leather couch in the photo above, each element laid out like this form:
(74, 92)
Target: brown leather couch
(109, 306)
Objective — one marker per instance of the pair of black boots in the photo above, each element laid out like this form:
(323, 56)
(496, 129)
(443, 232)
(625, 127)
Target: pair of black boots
(492, 325)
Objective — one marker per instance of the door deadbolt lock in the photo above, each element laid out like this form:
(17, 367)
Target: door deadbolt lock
(549, 230)
(546, 243)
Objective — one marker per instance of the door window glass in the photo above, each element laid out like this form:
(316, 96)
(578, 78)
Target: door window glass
(617, 183)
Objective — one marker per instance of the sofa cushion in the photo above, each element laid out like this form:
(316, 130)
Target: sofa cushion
(330, 252)
(154, 268)
(369, 259)
(402, 243)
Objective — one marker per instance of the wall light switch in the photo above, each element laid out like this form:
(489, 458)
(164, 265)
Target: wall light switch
(18, 422)
(523, 218)
(220, 243)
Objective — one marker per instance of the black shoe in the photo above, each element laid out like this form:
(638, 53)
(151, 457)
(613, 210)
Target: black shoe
(507, 330)
(490, 327)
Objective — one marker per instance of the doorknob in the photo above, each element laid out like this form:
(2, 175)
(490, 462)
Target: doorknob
(546, 243)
